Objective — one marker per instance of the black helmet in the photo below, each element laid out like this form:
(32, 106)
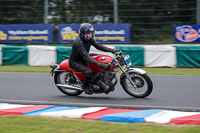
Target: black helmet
(86, 28)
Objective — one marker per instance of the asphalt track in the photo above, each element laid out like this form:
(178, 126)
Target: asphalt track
(176, 92)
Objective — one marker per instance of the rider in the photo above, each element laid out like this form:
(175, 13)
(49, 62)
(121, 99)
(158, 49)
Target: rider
(80, 54)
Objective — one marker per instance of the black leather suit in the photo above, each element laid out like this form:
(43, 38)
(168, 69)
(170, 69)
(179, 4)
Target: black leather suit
(80, 55)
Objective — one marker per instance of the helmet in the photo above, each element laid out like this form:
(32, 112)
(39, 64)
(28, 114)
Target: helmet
(86, 28)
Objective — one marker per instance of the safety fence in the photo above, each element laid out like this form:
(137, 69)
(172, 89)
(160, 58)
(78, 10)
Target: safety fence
(141, 56)
(151, 21)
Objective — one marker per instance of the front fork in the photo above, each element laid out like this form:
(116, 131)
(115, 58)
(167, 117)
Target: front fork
(127, 75)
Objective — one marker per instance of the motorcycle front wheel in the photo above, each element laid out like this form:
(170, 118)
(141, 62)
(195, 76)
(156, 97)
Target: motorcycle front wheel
(65, 78)
(144, 85)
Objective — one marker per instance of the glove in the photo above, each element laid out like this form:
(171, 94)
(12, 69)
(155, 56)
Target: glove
(105, 66)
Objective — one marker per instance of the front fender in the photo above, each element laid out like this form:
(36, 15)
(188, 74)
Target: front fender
(132, 70)
(137, 70)
(59, 70)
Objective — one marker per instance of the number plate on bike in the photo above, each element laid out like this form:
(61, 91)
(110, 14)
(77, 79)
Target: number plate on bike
(127, 60)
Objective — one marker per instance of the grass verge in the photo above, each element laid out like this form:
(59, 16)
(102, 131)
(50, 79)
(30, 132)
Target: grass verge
(35, 124)
(40, 69)
(163, 71)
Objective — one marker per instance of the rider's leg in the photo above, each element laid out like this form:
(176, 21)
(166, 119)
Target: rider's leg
(79, 66)
(85, 84)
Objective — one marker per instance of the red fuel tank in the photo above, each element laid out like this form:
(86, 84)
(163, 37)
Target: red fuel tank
(105, 59)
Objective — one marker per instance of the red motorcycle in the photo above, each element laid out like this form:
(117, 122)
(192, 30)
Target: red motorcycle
(134, 81)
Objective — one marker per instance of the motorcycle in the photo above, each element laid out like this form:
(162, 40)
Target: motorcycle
(134, 81)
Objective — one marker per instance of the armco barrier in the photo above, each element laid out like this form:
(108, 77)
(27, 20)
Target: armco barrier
(103, 113)
(141, 56)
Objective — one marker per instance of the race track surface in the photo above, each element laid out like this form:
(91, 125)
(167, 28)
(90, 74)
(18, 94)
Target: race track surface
(175, 92)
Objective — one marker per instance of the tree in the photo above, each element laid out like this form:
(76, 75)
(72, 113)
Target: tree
(21, 11)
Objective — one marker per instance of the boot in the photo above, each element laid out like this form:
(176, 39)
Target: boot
(85, 85)
(102, 85)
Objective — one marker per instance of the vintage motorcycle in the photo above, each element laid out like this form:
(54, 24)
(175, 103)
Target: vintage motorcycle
(134, 81)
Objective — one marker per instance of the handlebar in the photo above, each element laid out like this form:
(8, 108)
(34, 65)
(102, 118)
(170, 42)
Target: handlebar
(118, 53)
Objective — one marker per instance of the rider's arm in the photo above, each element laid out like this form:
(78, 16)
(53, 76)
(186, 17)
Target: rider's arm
(86, 56)
(101, 47)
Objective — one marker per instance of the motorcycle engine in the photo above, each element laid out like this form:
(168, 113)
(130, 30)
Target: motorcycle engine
(107, 81)
(108, 77)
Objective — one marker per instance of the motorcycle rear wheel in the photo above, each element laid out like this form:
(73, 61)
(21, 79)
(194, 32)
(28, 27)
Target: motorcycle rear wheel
(63, 78)
(143, 83)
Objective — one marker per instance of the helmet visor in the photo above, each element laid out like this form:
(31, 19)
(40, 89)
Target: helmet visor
(91, 30)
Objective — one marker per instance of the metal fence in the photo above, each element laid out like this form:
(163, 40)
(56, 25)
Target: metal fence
(152, 21)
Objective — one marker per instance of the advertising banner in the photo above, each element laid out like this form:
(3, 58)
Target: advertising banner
(24, 33)
(187, 33)
(104, 33)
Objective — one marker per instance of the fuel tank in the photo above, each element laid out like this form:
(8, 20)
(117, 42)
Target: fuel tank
(105, 59)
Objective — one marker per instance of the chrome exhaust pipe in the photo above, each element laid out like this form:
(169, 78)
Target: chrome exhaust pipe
(69, 87)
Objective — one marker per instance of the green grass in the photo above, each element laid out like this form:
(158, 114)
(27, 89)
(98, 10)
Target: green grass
(173, 71)
(164, 71)
(34, 124)
(40, 69)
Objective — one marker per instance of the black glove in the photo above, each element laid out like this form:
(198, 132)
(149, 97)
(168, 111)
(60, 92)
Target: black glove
(105, 66)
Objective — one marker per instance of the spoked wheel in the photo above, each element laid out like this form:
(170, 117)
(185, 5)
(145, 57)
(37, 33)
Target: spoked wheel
(143, 83)
(66, 78)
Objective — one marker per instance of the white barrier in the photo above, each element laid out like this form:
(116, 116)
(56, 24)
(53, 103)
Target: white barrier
(160, 56)
(96, 51)
(41, 55)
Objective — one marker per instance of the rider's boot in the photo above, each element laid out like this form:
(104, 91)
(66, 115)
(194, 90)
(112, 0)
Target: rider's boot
(102, 85)
(85, 85)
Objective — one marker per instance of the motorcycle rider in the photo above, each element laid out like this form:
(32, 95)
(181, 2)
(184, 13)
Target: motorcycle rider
(80, 54)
